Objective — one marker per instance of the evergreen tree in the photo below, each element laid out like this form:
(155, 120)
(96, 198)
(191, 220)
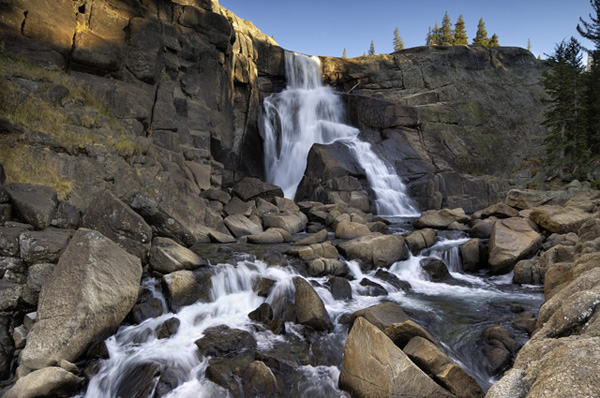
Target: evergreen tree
(493, 42)
(344, 55)
(481, 35)
(529, 45)
(460, 33)
(436, 35)
(445, 32)
(398, 42)
(566, 144)
(591, 30)
(429, 38)
(372, 48)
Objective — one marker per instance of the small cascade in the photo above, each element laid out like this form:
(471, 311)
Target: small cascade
(306, 113)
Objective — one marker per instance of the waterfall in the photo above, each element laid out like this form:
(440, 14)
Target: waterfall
(307, 112)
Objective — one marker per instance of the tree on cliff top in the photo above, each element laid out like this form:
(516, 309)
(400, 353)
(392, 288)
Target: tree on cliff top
(372, 48)
(398, 42)
(344, 55)
(493, 42)
(460, 33)
(566, 144)
(446, 31)
(481, 35)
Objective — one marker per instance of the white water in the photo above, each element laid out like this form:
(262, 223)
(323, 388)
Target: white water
(306, 113)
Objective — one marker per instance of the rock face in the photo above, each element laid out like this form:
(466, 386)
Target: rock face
(374, 367)
(512, 239)
(93, 287)
(437, 134)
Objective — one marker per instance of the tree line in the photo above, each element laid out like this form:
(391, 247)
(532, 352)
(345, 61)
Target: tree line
(572, 119)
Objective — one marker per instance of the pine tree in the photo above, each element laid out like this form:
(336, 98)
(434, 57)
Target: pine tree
(429, 38)
(460, 33)
(481, 35)
(398, 42)
(446, 31)
(529, 45)
(344, 55)
(436, 35)
(372, 48)
(591, 30)
(493, 42)
(566, 144)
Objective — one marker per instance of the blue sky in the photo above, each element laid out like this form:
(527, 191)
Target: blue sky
(327, 27)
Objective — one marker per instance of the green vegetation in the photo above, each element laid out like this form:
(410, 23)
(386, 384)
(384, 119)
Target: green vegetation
(372, 48)
(398, 42)
(447, 36)
(460, 32)
(573, 116)
(344, 54)
(481, 34)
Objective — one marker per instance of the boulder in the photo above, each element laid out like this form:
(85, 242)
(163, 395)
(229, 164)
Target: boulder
(91, 290)
(420, 239)
(47, 382)
(217, 195)
(318, 237)
(252, 188)
(9, 241)
(482, 229)
(527, 272)
(240, 225)
(168, 256)
(259, 381)
(393, 280)
(350, 230)
(222, 341)
(499, 348)
(43, 246)
(138, 380)
(66, 216)
(559, 219)
(37, 275)
(375, 249)
(310, 310)
(238, 207)
(529, 198)
(220, 237)
(10, 294)
(512, 239)
(371, 288)
(327, 266)
(436, 269)
(431, 359)
(186, 287)
(35, 203)
(270, 236)
(117, 221)
(441, 219)
(499, 210)
(314, 251)
(403, 332)
(470, 253)
(340, 288)
(381, 315)
(374, 367)
(291, 222)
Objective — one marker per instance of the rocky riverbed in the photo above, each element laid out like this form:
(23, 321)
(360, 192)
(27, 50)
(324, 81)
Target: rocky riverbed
(72, 279)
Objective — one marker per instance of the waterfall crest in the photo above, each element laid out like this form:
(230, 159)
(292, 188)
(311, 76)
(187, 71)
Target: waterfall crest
(308, 113)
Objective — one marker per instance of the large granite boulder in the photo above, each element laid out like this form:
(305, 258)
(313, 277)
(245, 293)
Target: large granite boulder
(250, 188)
(441, 219)
(559, 219)
(375, 249)
(374, 367)
(186, 287)
(310, 310)
(47, 382)
(43, 246)
(529, 198)
(117, 221)
(93, 287)
(168, 256)
(381, 315)
(291, 222)
(512, 239)
(36, 203)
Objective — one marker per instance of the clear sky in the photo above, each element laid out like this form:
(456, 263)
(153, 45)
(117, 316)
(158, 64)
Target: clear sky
(326, 27)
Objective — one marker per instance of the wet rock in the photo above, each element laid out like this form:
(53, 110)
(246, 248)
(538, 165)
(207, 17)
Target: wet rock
(50, 381)
(374, 367)
(43, 246)
(392, 280)
(168, 328)
(375, 249)
(559, 219)
(381, 315)
(310, 310)
(436, 269)
(221, 341)
(35, 203)
(252, 188)
(340, 288)
(512, 240)
(240, 225)
(151, 308)
(500, 347)
(527, 272)
(139, 380)
(431, 359)
(291, 222)
(168, 256)
(262, 314)
(118, 222)
(263, 286)
(402, 332)
(89, 293)
(259, 381)
(350, 230)
(470, 254)
(186, 287)
(327, 266)
(420, 239)
(525, 321)
(271, 235)
(441, 219)
(372, 289)
(528, 198)
(318, 237)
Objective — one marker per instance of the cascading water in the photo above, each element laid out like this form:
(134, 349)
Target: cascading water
(306, 113)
